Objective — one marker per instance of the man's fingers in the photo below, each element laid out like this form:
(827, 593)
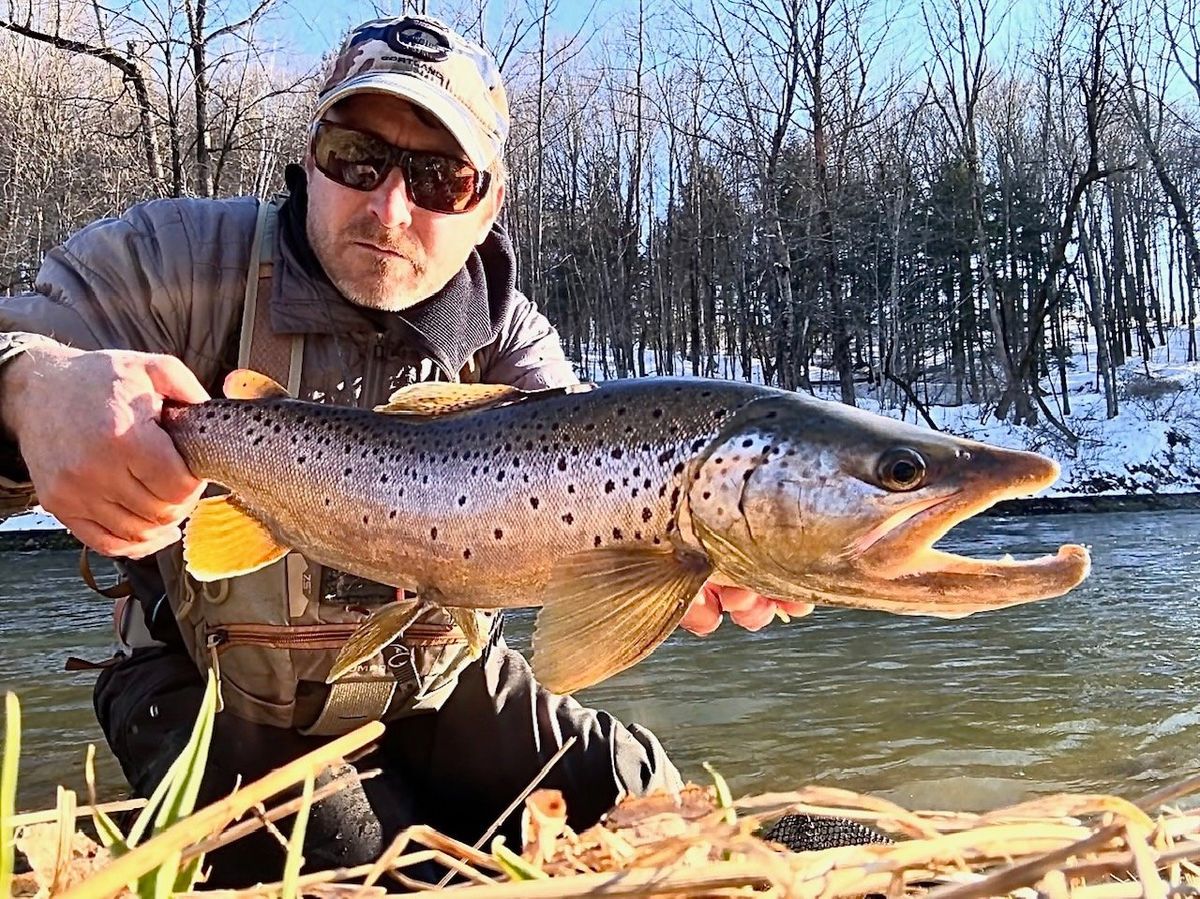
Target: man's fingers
(161, 471)
(793, 609)
(102, 540)
(755, 616)
(703, 615)
(736, 599)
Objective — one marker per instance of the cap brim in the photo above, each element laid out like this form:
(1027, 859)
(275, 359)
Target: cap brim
(479, 148)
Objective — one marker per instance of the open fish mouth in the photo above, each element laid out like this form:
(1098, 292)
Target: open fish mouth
(910, 576)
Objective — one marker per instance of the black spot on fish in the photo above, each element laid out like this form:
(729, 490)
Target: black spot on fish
(574, 451)
(570, 488)
(327, 501)
(597, 541)
(657, 413)
(348, 471)
(499, 534)
(772, 414)
(529, 446)
(562, 464)
(679, 469)
(383, 478)
(203, 429)
(634, 493)
(258, 440)
(646, 513)
(609, 487)
(433, 533)
(500, 476)
(516, 462)
(657, 541)
(617, 452)
(674, 497)
(533, 501)
(568, 518)
(620, 410)
(720, 413)
(590, 426)
(706, 495)
(474, 470)
(665, 456)
(366, 519)
(467, 553)
(747, 443)
(462, 500)
(617, 535)
(392, 514)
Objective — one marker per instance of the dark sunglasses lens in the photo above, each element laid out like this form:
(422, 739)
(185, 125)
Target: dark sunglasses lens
(441, 184)
(351, 158)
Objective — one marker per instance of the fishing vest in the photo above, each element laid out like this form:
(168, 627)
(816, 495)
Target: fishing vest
(271, 636)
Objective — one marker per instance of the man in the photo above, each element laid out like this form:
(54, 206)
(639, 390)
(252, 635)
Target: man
(386, 267)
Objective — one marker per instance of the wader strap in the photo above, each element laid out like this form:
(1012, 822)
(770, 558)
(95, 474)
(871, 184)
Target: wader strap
(281, 357)
(351, 704)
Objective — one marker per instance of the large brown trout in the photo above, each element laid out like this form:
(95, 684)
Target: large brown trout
(608, 506)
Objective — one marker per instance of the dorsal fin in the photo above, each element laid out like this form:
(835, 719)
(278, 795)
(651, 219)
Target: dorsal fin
(431, 399)
(246, 384)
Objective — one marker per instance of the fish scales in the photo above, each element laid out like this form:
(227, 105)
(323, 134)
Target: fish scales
(478, 504)
(609, 506)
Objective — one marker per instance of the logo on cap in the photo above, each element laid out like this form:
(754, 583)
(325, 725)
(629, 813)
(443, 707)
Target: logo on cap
(419, 39)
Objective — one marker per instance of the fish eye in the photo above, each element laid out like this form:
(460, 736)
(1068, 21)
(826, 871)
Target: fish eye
(901, 469)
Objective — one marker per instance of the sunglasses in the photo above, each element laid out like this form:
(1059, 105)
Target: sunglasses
(361, 161)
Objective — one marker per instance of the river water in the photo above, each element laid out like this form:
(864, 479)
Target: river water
(1095, 691)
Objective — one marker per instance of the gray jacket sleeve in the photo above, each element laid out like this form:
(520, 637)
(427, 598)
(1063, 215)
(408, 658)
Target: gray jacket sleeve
(528, 353)
(165, 277)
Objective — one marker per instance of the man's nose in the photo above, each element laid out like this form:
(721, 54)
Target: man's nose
(389, 201)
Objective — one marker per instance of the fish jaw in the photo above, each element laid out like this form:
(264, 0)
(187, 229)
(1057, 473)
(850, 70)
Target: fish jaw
(802, 516)
(901, 551)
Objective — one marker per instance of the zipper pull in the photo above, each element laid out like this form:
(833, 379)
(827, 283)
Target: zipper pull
(212, 641)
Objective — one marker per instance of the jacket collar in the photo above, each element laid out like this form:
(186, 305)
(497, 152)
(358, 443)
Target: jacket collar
(461, 318)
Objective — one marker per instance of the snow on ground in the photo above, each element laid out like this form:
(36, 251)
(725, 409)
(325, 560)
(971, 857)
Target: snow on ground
(1152, 446)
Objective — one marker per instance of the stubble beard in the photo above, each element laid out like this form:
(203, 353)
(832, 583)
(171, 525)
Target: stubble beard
(372, 280)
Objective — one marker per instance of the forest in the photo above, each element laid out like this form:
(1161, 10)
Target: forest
(931, 203)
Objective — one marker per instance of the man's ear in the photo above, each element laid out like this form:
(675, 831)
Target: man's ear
(496, 198)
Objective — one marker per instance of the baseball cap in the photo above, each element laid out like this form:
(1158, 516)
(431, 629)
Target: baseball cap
(424, 61)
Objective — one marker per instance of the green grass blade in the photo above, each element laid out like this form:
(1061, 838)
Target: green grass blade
(295, 853)
(8, 788)
(110, 835)
(179, 800)
(724, 797)
(513, 865)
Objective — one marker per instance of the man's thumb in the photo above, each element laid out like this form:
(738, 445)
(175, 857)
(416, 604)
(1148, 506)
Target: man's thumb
(174, 380)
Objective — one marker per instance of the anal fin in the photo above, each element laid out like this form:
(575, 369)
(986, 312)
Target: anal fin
(222, 539)
(380, 629)
(606, 610)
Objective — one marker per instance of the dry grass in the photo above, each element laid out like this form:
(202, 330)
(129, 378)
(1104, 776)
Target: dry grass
(696, 844)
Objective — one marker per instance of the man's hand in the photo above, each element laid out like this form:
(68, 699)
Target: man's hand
(87, 427)
(746, 608)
